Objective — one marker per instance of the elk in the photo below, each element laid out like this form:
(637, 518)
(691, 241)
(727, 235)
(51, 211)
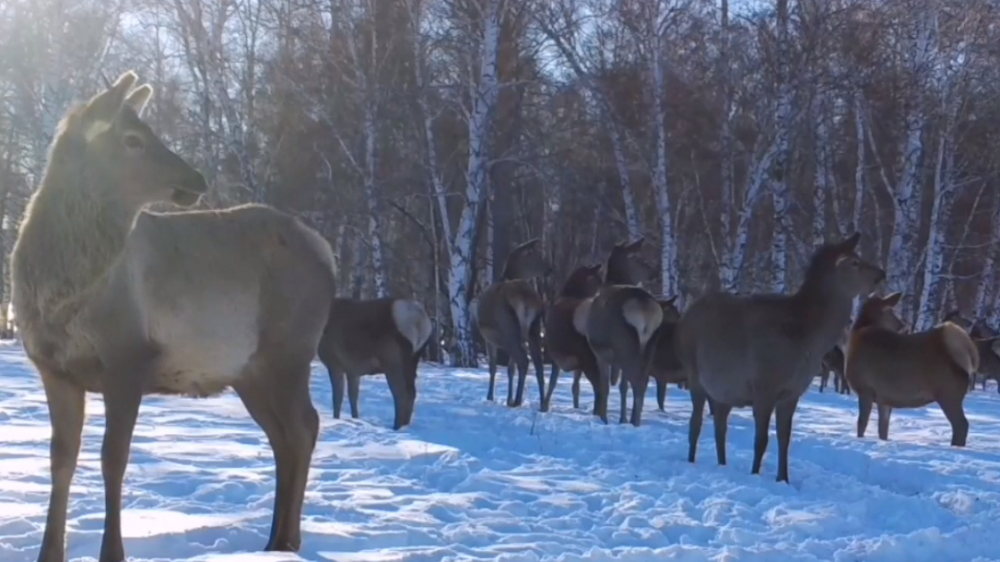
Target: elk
(895, 370)
(510, 311)
(983, 337)
(763, 350)
(618, 322)
(664, 366)
(370, 337)
(833, 361)
(112, 299)
(568, 348)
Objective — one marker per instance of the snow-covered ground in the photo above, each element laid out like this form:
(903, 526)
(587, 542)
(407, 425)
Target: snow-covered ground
(471, 480)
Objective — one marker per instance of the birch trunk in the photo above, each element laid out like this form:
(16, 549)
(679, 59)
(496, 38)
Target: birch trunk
(372, 201)
(824, 170)
(668, 242)
(779, 184)
(907, 200)
(934, 263)
(728, 274)
(484, 95)
(985, 306)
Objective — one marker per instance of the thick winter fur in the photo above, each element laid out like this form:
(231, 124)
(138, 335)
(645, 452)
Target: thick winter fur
(763, 350)
(984, 338)
(895, 370)
(509, 312)
(564, 342)
(126, 303)
(370, 337)
(620, 320)
(661, 352)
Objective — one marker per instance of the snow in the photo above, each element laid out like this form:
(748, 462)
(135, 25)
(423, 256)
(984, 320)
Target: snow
(470, 480)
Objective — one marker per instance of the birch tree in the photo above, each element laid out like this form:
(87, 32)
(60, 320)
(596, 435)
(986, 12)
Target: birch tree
(355, 21)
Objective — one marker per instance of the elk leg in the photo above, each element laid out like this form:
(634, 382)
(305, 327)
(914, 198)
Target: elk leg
(823, 379)
(661, 394)
(864, 413)
(491, 352)
(353, 388)
(256, 401)
(519, 359)
(547, 399)
(783, 427)
(395, 375)
(762, 411)
(616, 374)
(300, 425)
(640, 382)
(623, 394)
(535, 349)
(604, 386)
(576, 392)
(698, 398)
(122, 397)
(955, 413)
(720, 420)
(411, 387)
(67, 405)
(884, 412)
(337, 379)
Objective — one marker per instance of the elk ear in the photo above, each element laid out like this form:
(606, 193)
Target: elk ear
(102, 108)
(139, 97)
(892, 299)
(635, 246)
(849, 245)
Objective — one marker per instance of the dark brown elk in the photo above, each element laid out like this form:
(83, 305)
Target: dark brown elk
(112, 299)
(664, 366)
(568, 348)
(984, 337)
(619, 321)
(509, 312)
(763, 350)
(370, 337)
(894, 370)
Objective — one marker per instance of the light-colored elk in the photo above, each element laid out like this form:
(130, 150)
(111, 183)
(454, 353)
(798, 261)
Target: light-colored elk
(114, 300)
(618, 322)
(895, 370)
(763, 350)
(368, 337)
(509, 312)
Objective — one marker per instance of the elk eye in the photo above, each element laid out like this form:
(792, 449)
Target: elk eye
(133, 142)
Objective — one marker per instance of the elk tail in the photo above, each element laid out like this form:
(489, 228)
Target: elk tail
(960, 348)
(412, 322)
(645, 315)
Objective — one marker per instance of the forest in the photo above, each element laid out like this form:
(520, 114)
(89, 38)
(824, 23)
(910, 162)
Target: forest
(425, 138)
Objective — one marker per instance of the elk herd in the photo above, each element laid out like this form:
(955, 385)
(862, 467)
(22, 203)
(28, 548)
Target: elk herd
(114, 299)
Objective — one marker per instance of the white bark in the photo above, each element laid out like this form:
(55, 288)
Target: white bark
(985, 304)
(779, 184)
(907, 201)
(483, 93)
(859, 167)
(824, 168)
(372, 201)
(668, 241)
(934, 262)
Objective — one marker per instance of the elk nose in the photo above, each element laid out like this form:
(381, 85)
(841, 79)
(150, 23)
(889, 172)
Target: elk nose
(880, 276)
